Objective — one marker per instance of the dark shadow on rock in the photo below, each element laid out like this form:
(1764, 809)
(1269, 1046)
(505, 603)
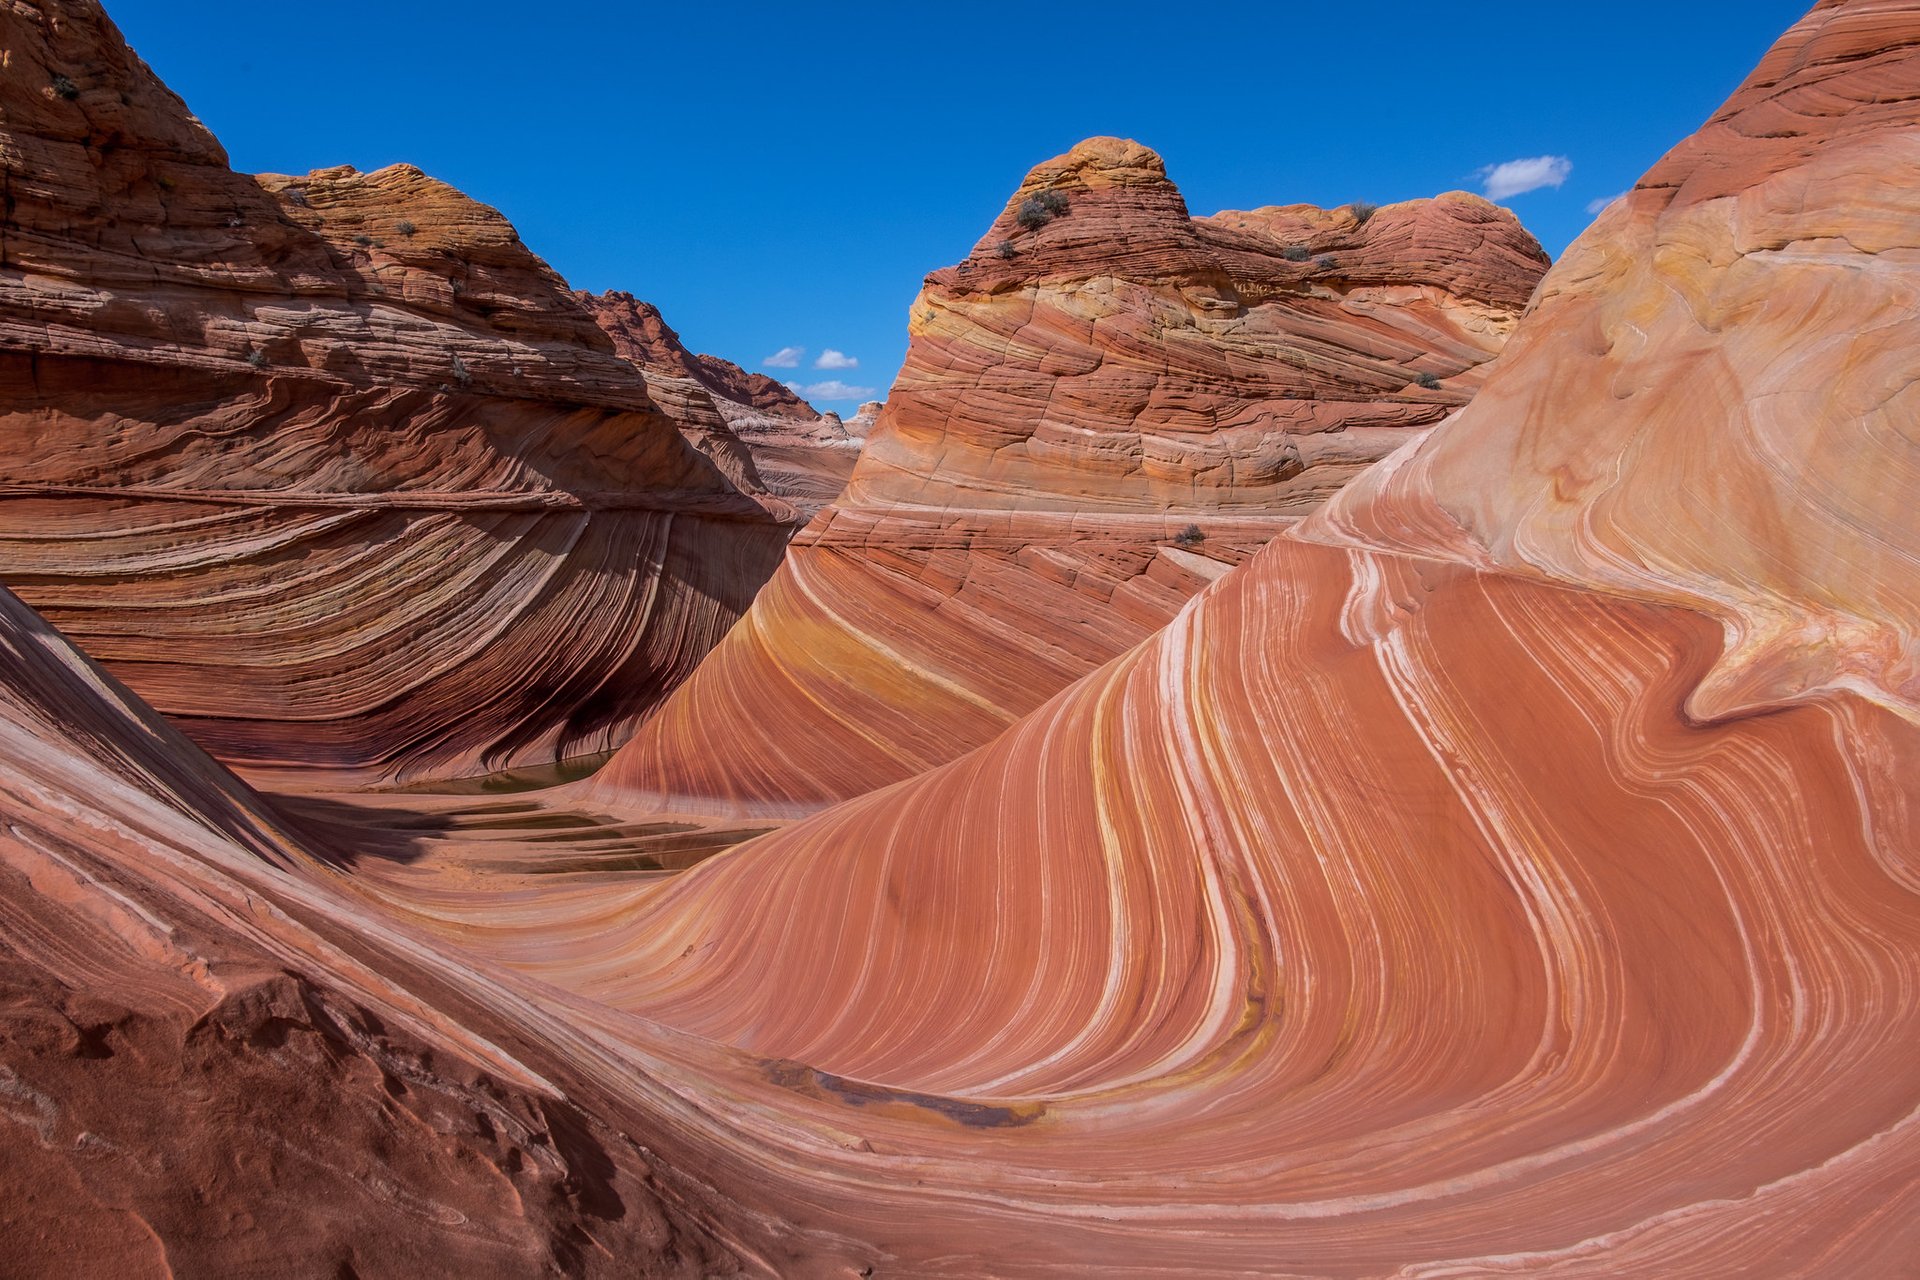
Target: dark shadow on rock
(343, 833)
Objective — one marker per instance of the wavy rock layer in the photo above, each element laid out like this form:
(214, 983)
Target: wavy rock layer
(325, 466)
(1716, 404)
(1097, 417)
(1398, 909)
(1423, 901)
(1376, 915)
(210, 1066)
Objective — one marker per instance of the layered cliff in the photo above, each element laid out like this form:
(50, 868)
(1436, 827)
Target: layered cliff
(1106, 406)
(799, 453)
(325, 466)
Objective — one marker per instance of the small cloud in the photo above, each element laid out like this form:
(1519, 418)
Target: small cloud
(785, 358)
(832, 389)
(1517, 177)
(831, 359)
(1595, 206)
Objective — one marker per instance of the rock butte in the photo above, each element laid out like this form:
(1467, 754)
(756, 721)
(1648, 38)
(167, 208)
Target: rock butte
(333, 470)
(1512, 868)
(1097, 417)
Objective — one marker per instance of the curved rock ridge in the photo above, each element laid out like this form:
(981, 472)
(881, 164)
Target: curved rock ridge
(1715, 402)
(324, 466)
(1391, 911)
(1102, 409)
(800, 454)
(1388, 913)
(1377, 917)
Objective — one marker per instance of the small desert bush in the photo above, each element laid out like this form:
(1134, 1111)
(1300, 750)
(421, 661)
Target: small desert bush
(1296, 253)
(1037, 211)
(66, 88)
(1191, 536)
(1362, 211)
(1004, 249)
(404, 227)
(1427, 381)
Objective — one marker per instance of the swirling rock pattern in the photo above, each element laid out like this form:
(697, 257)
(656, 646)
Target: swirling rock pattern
(325, 466)
(1456, 887)
(1098, 415)
(1714, 406)
(1511, 869)
(210, 1065)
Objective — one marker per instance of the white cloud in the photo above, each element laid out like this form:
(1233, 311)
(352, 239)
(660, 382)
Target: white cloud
(832, 389)
(785, 358)
(831, 359)
(1517, 177)
(1595, 206)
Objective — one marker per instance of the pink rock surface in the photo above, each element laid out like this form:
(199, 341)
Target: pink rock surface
(1098, 416)
(1454, 887)
(211, 1065)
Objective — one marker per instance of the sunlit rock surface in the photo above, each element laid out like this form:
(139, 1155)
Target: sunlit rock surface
(1513, 869)
(333, 469)
(1478, 880)
(1105, 407)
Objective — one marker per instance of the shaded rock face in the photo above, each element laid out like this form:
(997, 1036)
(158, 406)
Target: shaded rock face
(798, 453)
(209, 1068)
(325, 466)
(1105, 407)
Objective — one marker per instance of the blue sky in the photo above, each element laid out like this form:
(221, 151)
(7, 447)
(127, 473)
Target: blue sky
(780, 177)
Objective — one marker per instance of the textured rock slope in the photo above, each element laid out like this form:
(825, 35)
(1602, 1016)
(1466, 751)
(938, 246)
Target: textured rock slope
(1513, 869)
(1075, 396)
(210, 1065)
(325, 466)
(1510, 870)
(799, 453)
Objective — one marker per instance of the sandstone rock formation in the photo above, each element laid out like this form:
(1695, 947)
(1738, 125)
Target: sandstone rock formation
(327, 466)
(210, 1066)
(1099, 414)
(799, 453)
(1513, 868)
(862, 423)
